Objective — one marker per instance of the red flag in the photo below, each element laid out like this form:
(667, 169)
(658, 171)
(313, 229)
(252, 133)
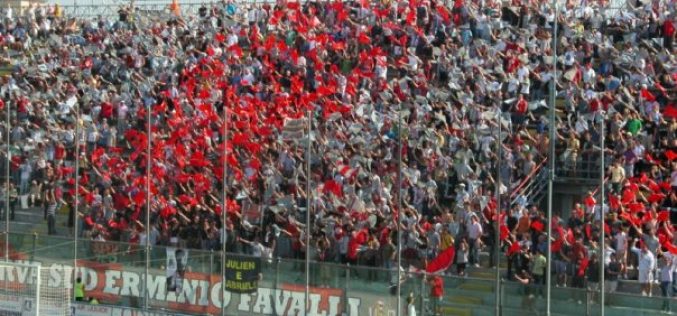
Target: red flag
(381, 13)
(442, 261)
(663, 216)
(665, 185)
(670, 111)
(89, 221)
(236, 49)
(411, 17)
(650, 159)
(570, 236)
(646, 95)
(662, 239)
(537, 226)
(67, 170)
(614, 202)
(167, 211)
(667, 244)
(363, 39)
(636, 207)
(653, 186)
(590, 201)
(342, 15)
(583, 266)
(444, 14)
(671, 155)
(628, 196)
(139, 198)
(671, 248)
(504, 232)
(514, 248)
(631, 219)
(338, 45)
(556, 245)
(332, 187)
(656, 197)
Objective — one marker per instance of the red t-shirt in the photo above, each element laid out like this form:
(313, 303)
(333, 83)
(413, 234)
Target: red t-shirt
(668, 28)
(59, 152)
(579, 252)
(106, 110)
(296, 243)
(522, 106)
(437, 289)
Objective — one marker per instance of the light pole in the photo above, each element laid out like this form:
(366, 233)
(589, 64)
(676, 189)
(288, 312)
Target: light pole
(7, 182)
(148, 167)
(399, 210)
(224, 207)
(497, 257)
(551, 163)
(76, 201)
(308, 209)
(601, 215)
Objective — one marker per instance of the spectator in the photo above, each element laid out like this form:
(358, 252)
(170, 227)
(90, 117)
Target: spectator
(474, 234)
(645, 267)
(613, 270)
(264, 69)
(666, 271)
(538, 270)
(462, 257)
(79, 289)
(436, 292)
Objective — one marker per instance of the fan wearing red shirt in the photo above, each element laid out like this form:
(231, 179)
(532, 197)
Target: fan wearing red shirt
(520, 109)
(521, 106)
(436, 291)
(579, 251)
(668, 33)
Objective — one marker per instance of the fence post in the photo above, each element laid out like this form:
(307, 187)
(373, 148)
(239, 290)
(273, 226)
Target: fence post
(35, 242)
(587, 302)
(347, 285)
(211, 261)
(277, 280)
(424, 302)
(501, 292)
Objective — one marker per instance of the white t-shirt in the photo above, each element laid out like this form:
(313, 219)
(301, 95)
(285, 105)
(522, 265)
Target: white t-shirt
(475, 230)
(411, 310)
(647, 260)
(621, 241)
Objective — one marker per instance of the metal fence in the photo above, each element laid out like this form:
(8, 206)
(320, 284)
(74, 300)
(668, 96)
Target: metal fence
(113, 273)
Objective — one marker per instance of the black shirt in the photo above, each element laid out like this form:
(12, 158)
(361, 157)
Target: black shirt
(612, 271)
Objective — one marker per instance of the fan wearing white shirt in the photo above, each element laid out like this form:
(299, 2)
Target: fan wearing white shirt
(474, 234)
(257, 248)
(666, 275)
(645, 267)
(620, 243)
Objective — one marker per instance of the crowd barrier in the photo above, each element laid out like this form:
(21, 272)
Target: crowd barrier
(114, 274)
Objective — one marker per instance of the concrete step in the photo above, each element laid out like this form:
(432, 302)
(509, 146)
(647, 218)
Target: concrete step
(456, 311)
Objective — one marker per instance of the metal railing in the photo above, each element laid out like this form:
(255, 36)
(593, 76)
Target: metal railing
(532, 184)
(114, 264)
(582, 169)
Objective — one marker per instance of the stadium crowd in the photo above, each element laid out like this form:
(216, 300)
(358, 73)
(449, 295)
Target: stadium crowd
(424, 83)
